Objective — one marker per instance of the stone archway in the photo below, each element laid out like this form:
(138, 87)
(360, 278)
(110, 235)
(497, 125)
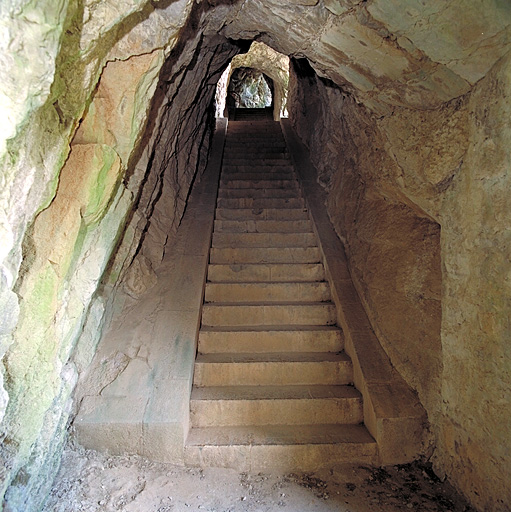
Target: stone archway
(263, 59)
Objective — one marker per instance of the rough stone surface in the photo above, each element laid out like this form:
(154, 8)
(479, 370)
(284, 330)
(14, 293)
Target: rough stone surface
(383, 59)
(392, 176)
(90, 481)
(474, 439)
(394, 251)
(249, 89)
(67, 248)
(274, 65)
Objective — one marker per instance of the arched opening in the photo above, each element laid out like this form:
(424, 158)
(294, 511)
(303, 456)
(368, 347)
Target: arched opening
(268, 65)
(249, 88)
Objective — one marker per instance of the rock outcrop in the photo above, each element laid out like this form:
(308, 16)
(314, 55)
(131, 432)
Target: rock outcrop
(405, 107)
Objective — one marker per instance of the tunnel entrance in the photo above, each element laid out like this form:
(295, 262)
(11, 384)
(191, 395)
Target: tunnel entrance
(249, 95)
(249, 88)
(258, 79)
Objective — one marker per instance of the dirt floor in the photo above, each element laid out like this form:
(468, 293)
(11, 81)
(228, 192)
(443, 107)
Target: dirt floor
(89, 481)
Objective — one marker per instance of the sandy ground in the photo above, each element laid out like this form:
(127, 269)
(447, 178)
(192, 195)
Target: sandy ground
(89, 481)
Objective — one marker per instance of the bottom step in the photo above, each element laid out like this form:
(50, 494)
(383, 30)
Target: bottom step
(282, 447)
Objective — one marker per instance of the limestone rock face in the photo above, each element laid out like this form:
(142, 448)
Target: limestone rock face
(378, 50)
(80, 203)
(249, 88)
(393, 247)
(417, 198)
(476, 238)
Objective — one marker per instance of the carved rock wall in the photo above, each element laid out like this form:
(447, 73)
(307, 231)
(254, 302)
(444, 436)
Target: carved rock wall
(393, 248)
(414, 195)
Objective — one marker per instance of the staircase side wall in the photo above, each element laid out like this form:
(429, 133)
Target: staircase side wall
(144, 408)
(392, 411)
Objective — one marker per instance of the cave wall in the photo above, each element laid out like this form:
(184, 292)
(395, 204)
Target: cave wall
(393, 247)
(414, 196)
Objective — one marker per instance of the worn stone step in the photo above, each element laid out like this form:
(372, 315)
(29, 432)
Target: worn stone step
(256, 193)
(263, 339)
(255, 162)
(260, 130)
(246, 169)
(265, 133)
(254, 141)
(274, 369)
(266, 292)
(227, 177)
(276, 145)
(262, 214)
(280, 447)
(256, 152)
(242, 255)
(247, 314)
(265, 272)
(243, 150)
(263, 226)
(257, 155)
(256, 184)
(237, 240)
(275, 405)
(261, 202)
(267, 339)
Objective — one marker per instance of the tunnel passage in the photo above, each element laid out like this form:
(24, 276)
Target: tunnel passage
(249, 88)
(405, 120)
(264, 60)
(106, 420)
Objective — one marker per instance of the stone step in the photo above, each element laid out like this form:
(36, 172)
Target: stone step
(261, 131)
(274, 369)
(238, 143)
(255, 162)
(237, 240)
(244, 150)
(261, 202)
(230, 169)
(285, 448)
(267, 292)
(261, 214)
(275, 405)
(256, 155)
(258, 193)
(263, 226)
(268, 339)
(256, 184)
(256, 176)
(254, 140)
(267, 313)
(268, 139)
(251, 115)
(265, 272)
(241, 255)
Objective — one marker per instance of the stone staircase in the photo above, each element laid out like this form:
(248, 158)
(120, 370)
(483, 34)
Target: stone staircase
(273, 387)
